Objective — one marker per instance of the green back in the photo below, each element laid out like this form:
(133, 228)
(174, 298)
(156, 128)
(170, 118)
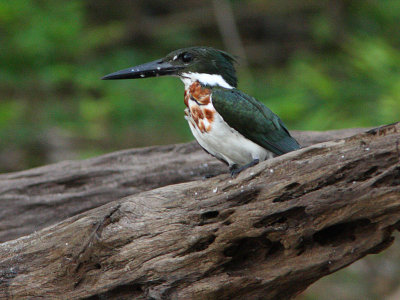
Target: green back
(253, 120)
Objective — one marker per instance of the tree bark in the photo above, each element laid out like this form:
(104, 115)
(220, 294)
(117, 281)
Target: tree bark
(266, 234)
(34, 199)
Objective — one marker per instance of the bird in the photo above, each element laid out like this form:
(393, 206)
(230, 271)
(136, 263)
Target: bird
(227, 123)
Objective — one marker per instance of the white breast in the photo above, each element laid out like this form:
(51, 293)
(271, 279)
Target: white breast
(225, 142)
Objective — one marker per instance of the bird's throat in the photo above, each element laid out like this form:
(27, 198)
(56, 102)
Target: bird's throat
(205, 79)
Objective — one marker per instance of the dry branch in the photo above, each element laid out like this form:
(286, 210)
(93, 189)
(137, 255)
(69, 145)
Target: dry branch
(34, 199)
(267, 234)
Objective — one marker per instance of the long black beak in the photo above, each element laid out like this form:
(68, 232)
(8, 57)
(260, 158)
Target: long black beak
(150, 69)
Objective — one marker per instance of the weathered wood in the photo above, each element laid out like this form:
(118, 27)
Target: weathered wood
(34, 199)
(266, 234)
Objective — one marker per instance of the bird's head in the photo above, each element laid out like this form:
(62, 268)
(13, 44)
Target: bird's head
(208, 65)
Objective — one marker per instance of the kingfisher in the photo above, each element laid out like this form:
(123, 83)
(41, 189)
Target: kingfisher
(227, 123)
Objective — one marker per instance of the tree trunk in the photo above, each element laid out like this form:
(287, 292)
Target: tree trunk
(266, 234)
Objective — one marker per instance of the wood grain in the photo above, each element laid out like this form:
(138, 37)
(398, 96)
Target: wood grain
(36, 198)
(267, 234)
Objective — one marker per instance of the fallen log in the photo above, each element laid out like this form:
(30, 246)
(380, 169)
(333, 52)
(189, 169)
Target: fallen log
(34, 199)
(267, 234)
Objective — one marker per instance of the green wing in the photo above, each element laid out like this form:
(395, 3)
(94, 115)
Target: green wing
(253, 120)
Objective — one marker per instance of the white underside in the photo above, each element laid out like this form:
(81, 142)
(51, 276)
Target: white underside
(226, 143)
(222, 141)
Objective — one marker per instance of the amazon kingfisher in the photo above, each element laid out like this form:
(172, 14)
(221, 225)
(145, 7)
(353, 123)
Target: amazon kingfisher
(229, 124)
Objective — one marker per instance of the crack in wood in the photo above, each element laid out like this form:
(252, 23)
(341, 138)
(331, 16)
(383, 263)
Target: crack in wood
(290, 217)
(201, 244)
(235, 243)
(86, 260)
(245, 251)
(341, 233)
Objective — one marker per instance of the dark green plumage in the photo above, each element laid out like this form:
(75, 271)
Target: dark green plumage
(253, 120)
(207, 60)
(210, 74)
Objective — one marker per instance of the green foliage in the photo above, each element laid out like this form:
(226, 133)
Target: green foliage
(343, 71)
(357, 87)
(53, 54)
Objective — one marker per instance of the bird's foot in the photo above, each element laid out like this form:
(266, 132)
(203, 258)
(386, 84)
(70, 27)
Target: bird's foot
(236, 170)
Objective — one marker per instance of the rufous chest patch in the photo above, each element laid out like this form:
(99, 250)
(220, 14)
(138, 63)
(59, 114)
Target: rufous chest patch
(200, 109)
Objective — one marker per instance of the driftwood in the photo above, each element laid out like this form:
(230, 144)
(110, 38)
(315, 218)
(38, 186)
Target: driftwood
(34, 199)
(267, 234)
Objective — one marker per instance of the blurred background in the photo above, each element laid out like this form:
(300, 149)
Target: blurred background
(318, 64)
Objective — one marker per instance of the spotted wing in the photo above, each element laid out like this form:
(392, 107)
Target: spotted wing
(253, 120)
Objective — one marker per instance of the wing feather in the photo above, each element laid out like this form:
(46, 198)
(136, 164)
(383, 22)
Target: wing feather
(253, 120)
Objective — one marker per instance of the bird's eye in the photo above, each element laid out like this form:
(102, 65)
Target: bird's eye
(187, 57)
